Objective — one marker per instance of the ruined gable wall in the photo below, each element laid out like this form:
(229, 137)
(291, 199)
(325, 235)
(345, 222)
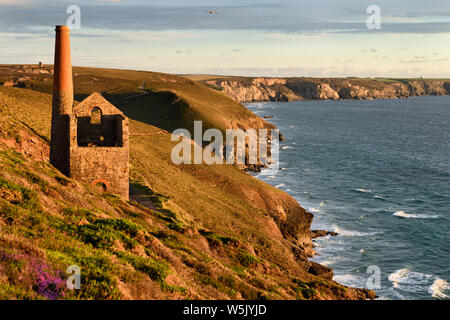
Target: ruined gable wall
(104, 164)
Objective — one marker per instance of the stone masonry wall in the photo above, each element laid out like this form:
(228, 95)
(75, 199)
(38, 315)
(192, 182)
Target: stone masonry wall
(101, 164)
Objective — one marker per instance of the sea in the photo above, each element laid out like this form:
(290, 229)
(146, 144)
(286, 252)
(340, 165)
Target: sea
(378, 173)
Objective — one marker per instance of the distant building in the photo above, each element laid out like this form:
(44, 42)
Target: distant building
(89, 142)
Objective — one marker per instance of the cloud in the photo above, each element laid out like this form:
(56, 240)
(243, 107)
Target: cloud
(188, 52)
(288, 16)
(371, 50)
(14, 2)
(422, 59)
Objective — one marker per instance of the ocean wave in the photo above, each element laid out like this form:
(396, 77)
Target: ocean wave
(286, 148)
(403, 214)
(349, 280)
(438, 288)
(349, 233)
(329, 261)
(257, 104)
(314, 210)
(363, 190)
(280, 185)
(409, 281)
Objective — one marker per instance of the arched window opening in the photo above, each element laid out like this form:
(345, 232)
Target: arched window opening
(96, 116)
(100, 187)
(97, 129)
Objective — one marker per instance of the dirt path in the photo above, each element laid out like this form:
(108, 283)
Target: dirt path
(139, 197)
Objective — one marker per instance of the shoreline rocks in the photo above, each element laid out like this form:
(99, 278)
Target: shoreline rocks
(322, 233)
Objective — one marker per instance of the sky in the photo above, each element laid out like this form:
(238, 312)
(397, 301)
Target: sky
(281, 38)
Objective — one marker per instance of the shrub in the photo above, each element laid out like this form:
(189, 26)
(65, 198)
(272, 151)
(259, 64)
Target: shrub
(246, 259)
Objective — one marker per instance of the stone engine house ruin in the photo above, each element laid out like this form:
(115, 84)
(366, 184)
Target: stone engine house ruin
(89, 141)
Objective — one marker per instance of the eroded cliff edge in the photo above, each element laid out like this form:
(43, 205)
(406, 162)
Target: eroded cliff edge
(294, 89)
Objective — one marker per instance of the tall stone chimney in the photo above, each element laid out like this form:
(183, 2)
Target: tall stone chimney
(62, 102)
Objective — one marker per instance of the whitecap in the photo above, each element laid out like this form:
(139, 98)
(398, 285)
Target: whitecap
(349, 280)
(363, 190)
(322, 204)
(286, 148)
(438, 288)
(314, 210)
(349, 233)
(409, 281)
(403, 214)
(330, 261)
(280, 185)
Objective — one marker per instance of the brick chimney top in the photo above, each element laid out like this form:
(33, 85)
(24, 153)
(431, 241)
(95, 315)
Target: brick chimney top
(62, 76)
(62, 28)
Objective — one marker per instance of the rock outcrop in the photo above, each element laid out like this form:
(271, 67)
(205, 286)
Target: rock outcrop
(293, 89)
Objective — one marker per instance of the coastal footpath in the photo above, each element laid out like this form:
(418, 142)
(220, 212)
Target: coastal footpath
(294, 89)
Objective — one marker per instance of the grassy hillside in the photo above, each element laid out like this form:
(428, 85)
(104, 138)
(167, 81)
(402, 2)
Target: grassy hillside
(195, 232)
(162, 100)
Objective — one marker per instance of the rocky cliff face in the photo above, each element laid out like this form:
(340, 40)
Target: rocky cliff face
(293, 89)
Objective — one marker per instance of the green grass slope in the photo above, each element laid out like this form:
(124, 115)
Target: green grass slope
(166, 101)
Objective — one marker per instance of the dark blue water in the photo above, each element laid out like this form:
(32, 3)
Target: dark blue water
(378, 173)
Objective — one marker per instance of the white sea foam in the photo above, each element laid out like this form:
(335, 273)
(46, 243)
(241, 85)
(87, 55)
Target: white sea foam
(409, 281)
(403, 214)
(314, 210)
(280, 185)
(363, 190)
(438, 288)
(286, 148)
(330, 260)
(349, 233)
(322, 204)
(349, 280)
(258, 104)
(378, 197)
